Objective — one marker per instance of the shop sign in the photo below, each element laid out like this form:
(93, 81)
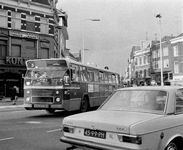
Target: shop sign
(16, 61)
(24, 35)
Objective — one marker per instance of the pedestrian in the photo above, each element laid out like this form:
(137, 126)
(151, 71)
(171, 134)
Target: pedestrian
(14, 95)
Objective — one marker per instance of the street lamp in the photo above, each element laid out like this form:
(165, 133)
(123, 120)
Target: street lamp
(83, 53)
(161, 59)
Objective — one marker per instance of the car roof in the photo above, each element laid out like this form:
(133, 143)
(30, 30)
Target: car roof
(166, 88)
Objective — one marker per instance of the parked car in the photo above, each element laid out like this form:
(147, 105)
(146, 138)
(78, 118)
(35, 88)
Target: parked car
(136, 118)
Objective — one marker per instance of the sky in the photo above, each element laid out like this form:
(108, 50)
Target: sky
(123, 24)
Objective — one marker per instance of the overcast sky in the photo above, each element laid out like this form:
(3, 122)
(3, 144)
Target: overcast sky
(123, 24)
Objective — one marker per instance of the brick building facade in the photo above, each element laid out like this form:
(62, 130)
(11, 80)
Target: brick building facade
(27, 31)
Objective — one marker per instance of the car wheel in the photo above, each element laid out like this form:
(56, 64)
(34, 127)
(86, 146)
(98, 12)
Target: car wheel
(84, 105)
(172, 146)
(50, 111)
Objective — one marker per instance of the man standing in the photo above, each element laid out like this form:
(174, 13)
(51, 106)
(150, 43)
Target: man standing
(14, 95)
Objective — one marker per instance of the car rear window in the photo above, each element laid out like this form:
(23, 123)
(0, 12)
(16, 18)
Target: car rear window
(138, 100)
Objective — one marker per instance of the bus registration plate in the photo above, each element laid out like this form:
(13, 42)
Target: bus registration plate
(40, 106)
(95, 133)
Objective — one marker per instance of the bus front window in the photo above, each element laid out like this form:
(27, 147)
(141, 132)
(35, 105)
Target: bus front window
(46, 77)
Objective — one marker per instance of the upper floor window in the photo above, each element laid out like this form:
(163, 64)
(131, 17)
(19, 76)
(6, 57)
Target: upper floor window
(166, 63)
(176, 67)
(145, 59)
(140, 60)
(165, 51)
(136, 61)
(175, 51)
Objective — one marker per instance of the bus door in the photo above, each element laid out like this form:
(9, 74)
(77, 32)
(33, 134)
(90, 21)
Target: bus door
(102, 87)
(75, 94)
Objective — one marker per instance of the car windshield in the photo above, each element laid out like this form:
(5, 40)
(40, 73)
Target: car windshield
(137, 100)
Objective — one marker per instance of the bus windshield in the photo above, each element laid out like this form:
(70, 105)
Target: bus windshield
(46, 77)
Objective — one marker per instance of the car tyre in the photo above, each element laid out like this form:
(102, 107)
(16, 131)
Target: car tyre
(50, 111)
(172, 146)
(84, 105)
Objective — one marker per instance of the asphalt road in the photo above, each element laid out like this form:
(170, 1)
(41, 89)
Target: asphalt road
(31, 130)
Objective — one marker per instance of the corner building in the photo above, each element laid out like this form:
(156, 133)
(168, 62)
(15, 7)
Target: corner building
(27, 31)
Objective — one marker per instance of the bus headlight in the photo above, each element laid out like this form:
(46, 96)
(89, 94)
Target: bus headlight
(57, 99)
(27, 99)
(28, 83)
(57, 92)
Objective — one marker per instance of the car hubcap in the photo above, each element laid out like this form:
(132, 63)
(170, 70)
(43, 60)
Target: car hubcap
(172, 146)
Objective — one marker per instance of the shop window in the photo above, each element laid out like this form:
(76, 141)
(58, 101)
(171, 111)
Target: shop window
(16, 50)
(30, 44)
(3, 48)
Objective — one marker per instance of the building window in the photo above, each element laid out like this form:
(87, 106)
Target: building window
(136, 61)
(3, 48)
(140, 60)
(144, 59)
(175, 51)
(165, 51)
(176, 67)
(166, 63)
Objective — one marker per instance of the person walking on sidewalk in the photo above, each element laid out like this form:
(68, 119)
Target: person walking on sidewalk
(14, 95)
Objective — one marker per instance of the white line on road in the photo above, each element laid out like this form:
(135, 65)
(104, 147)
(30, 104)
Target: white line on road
(53, 130)
(10, 138)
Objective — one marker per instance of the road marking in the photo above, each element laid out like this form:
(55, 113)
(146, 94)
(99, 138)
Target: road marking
(33, 122)
(53, 130)
(10, 138)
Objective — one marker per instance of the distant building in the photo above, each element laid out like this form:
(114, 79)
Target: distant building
(142, 63)
(177, 57)
(29, 29)
(167, 60)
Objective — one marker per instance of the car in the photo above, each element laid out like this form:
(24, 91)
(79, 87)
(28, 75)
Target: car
(134, 118)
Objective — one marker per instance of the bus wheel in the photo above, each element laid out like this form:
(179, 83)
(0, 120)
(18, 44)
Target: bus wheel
(84, 105)
(50, 111)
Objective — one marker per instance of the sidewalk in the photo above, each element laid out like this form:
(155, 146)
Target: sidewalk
(7, 105)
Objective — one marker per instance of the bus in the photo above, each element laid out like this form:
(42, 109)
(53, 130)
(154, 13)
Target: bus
(64, 84)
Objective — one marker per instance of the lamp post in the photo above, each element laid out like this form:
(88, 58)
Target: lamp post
(83, 53)
(161, 59)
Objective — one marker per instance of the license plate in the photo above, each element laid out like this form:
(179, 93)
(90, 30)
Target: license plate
(95, 133)
(40, 106)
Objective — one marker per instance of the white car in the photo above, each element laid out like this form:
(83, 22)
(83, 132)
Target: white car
(137, 118)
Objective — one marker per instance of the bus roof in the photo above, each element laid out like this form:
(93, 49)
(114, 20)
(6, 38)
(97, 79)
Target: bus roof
(74, 62)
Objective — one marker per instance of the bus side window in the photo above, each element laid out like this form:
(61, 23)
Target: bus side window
(106, 77)
(74, 73)
(96, 76)
(101, 76)
(113, 79)
(83, 74)
(66, 77)
(90, 75)
(110, 78)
